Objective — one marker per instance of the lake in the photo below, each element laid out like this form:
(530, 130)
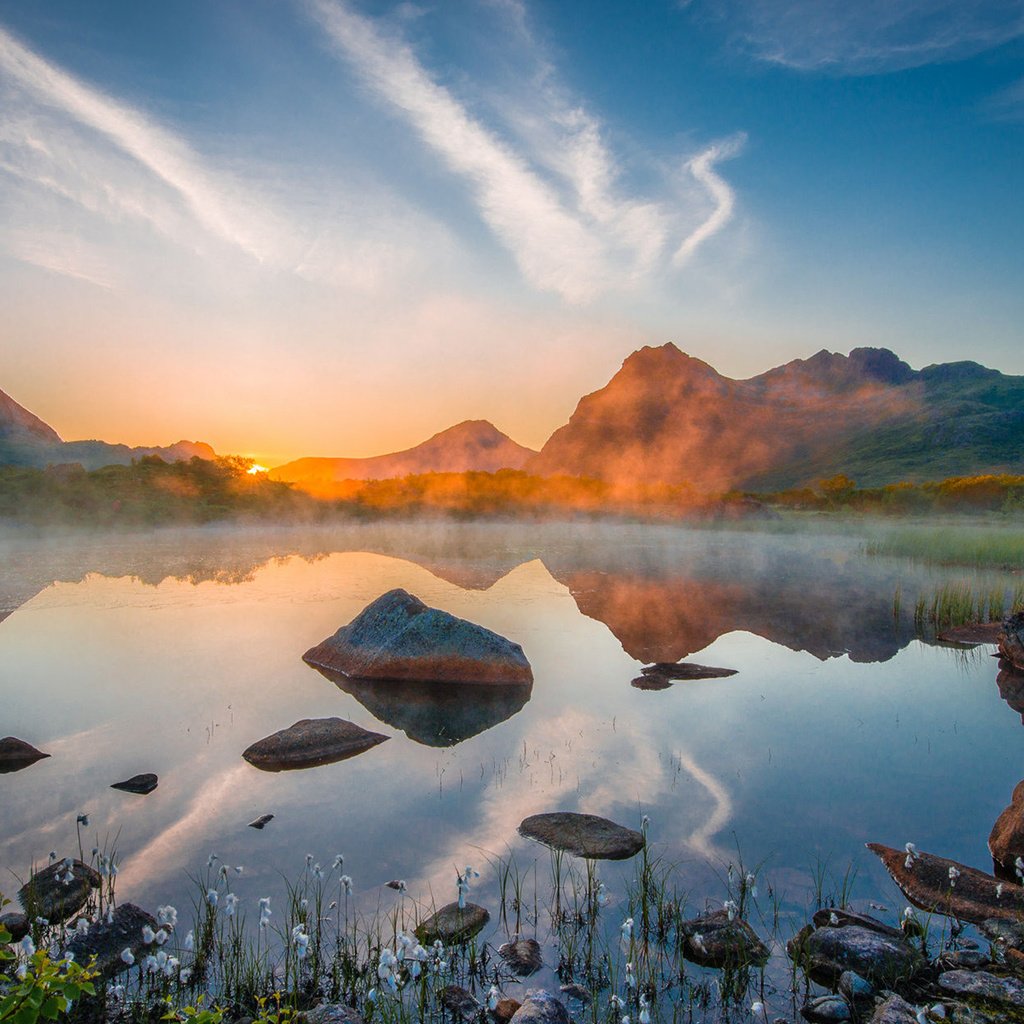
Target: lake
(172, 651)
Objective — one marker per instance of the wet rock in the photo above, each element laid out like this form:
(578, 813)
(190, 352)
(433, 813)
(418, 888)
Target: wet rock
(141, 784)
(826, 1010)
(459, 1002)
(685, 670)
(107, 941)
(826, 953)
(854, 987)
(836, 917)
(894, 1010)
(397, 884)
(50, 893)
(715, 941)
(452, 925)
(584, 835)
(333, 1013)
(16, 754)
(1005, 932)
(982, 985)
(1006, 840)
(311, 742)
(505, 1010)
(15, 924)
(974, 897)
(541, 1007)
(578, 992)
(262, 821)
(974, 633)
(1011, 641)
(399, 637)
(651, 683)
(963, 960)
(523, 956)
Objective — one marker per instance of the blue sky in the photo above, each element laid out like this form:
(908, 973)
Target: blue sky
(323, 227)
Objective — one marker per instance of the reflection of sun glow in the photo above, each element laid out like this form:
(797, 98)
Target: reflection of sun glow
(256, 468)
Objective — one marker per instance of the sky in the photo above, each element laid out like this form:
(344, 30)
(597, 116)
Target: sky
(336, 227)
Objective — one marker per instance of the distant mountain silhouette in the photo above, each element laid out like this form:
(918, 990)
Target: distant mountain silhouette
(667, 417)
(25, 440)
(472, 445)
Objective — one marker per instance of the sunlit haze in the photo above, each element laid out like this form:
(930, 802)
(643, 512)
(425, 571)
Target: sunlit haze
(315, 227)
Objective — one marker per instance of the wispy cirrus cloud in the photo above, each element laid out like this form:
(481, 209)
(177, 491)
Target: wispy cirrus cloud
(866, 37)
(548, 185)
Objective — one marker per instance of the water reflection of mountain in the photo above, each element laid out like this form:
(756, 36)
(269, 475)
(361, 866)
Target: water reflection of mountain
(434, 714)
(664, 592)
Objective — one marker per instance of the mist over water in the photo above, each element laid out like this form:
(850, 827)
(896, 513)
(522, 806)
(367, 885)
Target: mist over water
(172, 651)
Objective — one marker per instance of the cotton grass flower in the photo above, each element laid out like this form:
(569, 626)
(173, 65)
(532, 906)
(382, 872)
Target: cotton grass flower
(230, 902)
(346, 884)
(190, 942)
(627, 929)
(731, 909)
(127, 956)
(212, 898)
(167, 915)
(492, 999)
(339, 862)
(148, 935)
(27, 947)
(912, 855)
(954, 874)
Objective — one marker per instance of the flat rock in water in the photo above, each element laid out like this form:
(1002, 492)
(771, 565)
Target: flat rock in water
(141, 784)
(836, 917)
(975, 633)
(106, 941)
(584, 835)
(311, 742)
(1011, 641)
(523, 956)
(541, 1007)
(982, 985)
(895, 1010)
(332, 1013)
(261, 821)
(715, 941)
(651, 683)
(685, 670)
(975, 897)
(452, 924)
(15, 924)
(50, 894)
(827, 953)
(399, 637)
(1006, 840)
(16, 754)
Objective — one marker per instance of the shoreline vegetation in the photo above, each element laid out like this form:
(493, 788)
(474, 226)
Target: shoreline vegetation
(152, 492)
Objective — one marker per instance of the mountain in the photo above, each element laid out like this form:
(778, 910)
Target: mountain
(25, 440)
(472, 445)
(667, 417)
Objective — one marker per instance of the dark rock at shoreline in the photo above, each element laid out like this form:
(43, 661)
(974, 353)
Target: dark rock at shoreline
(584, 835)
(399, 637)
(15, 924)
(975, 897)
(505, 1010)
(685, 670)
(311, 742)
(452, 925)
(651, 683)
(16, 754)
(50, 894)
(574, 991)
(107, 941)
(855, 988)
(1006, 840)
(826, 1010)
(523, 956)
(459, 1001)
(1007, 933)
(837, 917)
(141, 784)
(972, 634)
(982, 985)
(1011, 641)
(541, 1007)
(880, 955)
(716, 941)
(895, 1010)
(962, 960)
(261, 821)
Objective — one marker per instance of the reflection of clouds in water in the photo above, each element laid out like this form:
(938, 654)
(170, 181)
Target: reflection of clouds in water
(700, 839)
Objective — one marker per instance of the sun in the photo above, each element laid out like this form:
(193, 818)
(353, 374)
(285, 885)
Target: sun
(256, 468)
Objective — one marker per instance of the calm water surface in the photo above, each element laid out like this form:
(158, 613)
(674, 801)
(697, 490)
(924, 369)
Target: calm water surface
(172, 652)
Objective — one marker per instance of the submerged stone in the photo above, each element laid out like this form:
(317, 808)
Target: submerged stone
(584, 835)
(16, 754)
(107, 941)
(826, 1010)
(522, 955)
(716, 941)
(311, 742)
(452, 924)
(399, 637)
(52, 894)
(459, 1001)
(141, 784)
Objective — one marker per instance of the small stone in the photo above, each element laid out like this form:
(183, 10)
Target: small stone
(15, 924)
(716, 941)
(453, 925)
(541, 1007)
(16, 754)
(106, 941)
(141, 784)
(894, 1010)
(260, 823)
(854, 987)
(963, 960)
(578, 992)
(523, 956)
(827, 1010)
(459, 1001)
(651, 683)
(505, 1010)
(583, 835)
(309, 743)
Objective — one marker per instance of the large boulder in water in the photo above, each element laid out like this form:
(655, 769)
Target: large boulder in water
(718, 940)
(58, 891)
(584, 835)
(16, 754)
(1011, 641)
(453, 924)
(311, 742)
(399, 637)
